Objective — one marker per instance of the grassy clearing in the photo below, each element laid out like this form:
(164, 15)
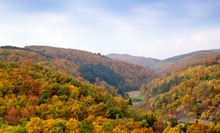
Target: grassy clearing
(141, 97)
(137, 98)
(133, 93)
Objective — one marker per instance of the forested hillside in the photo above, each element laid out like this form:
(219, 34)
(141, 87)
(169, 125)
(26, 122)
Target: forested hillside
(72, 61)
(191, 93)
(36, 99)
(44, 89)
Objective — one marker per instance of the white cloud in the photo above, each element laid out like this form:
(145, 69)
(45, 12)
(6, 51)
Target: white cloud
(207, 38)
(154, 30)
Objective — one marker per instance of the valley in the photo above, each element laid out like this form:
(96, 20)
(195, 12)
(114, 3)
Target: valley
(49, 89)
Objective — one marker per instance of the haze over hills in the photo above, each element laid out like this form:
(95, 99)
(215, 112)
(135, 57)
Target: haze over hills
(179, 57)
(178, 62)
(143, 61)
(170, 64)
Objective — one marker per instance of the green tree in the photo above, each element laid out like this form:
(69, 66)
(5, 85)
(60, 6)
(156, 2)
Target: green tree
(86, 127)
(19, 129)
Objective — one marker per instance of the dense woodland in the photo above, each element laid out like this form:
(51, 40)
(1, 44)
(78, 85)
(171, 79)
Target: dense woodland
(36, 99)
(45, 89)
(94, 72)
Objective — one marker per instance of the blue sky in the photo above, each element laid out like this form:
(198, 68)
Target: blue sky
(150, 28)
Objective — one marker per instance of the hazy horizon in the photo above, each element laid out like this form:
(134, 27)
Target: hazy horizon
(153, 28)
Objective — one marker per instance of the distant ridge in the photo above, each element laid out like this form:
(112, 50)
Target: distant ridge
(182, 61)
(170, 64)
(178, 57)
(143, 61)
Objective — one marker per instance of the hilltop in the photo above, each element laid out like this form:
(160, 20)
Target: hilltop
(182, 61)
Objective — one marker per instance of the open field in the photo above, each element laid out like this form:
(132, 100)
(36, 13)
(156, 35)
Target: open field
(133, 93)
(141, 97)
(137, 98)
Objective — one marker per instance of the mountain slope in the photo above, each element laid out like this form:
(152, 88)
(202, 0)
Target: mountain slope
(70, 61)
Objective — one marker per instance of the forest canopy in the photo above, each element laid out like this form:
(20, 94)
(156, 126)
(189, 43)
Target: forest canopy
(93, 72)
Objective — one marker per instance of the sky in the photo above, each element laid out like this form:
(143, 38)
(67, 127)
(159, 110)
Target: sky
(149, 28)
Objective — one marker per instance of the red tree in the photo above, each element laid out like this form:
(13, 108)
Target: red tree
(12, 116)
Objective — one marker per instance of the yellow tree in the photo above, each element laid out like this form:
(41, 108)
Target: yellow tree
(72, 126)
(48, 125)
(198, 128)
(35, 125)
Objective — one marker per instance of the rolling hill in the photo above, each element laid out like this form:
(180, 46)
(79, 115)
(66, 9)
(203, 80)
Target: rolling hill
(71, 61)
(45, 89)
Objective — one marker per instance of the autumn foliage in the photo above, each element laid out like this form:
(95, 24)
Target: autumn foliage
(12, 116)
(41, 91)
(190, 93)
(37, 99)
